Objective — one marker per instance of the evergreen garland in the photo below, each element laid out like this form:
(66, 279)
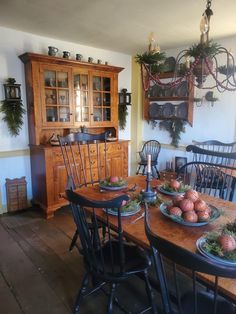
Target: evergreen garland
(150, 57)
(174, 128)
(203, 50)
(122, 113)
(13, 112)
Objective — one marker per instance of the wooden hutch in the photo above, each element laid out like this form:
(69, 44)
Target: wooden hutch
(64, 95)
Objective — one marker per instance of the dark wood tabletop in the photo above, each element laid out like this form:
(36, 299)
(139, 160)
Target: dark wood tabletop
(183, 236)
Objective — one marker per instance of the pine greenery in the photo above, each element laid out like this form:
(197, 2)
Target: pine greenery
(13, 112)
(122, 112)
(203, 50)
(175, 128)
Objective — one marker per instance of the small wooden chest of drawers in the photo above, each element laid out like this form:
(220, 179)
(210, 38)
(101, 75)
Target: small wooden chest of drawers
(16, 194)
(168, 175)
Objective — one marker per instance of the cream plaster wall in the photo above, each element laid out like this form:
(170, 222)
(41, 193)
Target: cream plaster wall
(12, 44)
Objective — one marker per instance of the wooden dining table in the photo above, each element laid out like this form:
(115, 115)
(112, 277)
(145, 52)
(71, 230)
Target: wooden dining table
(182, 236)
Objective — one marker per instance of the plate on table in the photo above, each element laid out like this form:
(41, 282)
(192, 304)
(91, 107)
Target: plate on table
(215, 213)
(201, 246)
(163, 190)
(113, 186)
(131, 208)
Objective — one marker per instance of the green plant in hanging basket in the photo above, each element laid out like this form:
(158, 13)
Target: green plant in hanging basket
(13, 112)
(155, 60)
(202, 50)
(175, 128)
(150, 57)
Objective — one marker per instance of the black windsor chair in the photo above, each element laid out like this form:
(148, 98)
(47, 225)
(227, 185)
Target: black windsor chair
(149, 148)
(112, 262)
(85, 159)
(211, 172)
(196, 300)
(216, 146)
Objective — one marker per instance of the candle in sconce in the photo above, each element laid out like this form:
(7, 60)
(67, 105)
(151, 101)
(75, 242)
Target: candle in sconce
(149, 163)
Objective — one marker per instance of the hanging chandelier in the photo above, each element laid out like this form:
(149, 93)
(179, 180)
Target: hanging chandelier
(199, 64)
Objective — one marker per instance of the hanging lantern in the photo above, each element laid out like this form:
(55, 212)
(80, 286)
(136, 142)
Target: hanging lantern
(12, 90)
(124, 98)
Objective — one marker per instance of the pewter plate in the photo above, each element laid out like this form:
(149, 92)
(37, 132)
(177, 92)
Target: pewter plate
(200, 246)
(135, 208)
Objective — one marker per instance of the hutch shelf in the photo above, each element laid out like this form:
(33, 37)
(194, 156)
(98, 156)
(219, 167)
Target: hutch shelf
(169, 104)
(63, 96)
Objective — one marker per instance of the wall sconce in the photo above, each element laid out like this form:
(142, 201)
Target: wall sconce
(208, 97)
(124, 98)
(12, 90)
(124, 101)
(12, 107)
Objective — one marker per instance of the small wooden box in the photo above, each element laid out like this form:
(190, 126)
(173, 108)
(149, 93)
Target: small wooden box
(168, 175)
(16, 194)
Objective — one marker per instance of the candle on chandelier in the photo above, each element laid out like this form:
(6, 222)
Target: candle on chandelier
(149, 163)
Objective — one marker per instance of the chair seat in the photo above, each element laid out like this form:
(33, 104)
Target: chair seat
(136, 258)
(205, 304)
(144, 163)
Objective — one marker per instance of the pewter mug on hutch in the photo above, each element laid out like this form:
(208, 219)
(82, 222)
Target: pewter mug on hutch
(52, 51)
(66, 54)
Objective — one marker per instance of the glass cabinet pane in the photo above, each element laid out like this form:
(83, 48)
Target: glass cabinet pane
(106, 114)
(64, 114)
(97, 83)
(57, 96)
(50, 78)
(51, 114)
(97, 99)
(97, 114)
(101, 99)
(81, 98)
(106, 99)
(63, 96)
(106, 84)
(50, 97)
(62, 79)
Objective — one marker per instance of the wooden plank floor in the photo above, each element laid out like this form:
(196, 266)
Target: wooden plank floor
(38, 275)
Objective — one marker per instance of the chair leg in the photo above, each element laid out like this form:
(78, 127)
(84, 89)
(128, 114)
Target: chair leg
(81, 293)
(158, 173)
(137, 172)
(150, 293)
(144, 168)
(111, 297)
(74, 239)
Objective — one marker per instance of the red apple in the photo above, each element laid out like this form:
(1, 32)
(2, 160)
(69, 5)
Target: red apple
(190, 216)
(191, 195)
(186, 205)
(176, 200)
(114, 179)
(203, 215)
(176, 211)
(227, 242)
(200, 205)
(174, 184)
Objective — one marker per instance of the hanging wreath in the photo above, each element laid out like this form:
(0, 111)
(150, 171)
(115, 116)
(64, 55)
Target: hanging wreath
(175, 128)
